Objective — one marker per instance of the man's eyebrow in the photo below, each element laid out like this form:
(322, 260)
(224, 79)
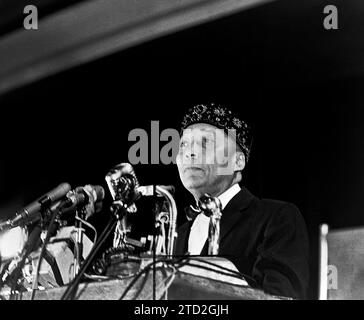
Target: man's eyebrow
(204, 130)
(209, 130)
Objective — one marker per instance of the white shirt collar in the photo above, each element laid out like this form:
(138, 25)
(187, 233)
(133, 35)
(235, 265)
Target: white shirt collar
(228, 194)
(200, 226)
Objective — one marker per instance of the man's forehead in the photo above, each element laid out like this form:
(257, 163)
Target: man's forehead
(201, 128)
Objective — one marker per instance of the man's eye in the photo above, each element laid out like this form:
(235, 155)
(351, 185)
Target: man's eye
(205, 141)
(183, 144)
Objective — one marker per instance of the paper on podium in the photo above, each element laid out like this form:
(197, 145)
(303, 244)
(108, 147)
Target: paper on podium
(214, 272)
(209, 267)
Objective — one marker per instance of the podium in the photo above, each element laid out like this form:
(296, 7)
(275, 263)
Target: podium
(189, 283)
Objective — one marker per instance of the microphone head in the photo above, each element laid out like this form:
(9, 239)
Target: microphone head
(95, 193)
(30, 213)
(59, 192)
(53, 195)
(210, 205)
(92, 198)
(123, 183)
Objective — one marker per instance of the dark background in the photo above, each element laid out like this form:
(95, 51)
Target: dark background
(299, 85)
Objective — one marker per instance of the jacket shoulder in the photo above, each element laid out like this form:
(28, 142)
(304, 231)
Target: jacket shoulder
(278, 204)
(278, 208)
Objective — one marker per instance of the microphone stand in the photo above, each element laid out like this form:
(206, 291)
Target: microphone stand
(33, 242)
(78, 246)
(52, 227)
(119, 211)
(159, 239)
(154, 251)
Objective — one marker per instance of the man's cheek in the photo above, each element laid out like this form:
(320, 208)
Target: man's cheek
(226, 168)
(179, 159)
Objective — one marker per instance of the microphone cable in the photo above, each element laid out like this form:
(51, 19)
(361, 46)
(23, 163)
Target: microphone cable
(72, 286)
(176, 265)
(138, 275)
(147, 268)
(229, 272)
(42, 251)
(90, 226)
(46, 241)
(166, 283)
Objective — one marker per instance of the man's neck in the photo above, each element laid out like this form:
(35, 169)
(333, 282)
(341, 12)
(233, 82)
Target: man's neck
(234, 184)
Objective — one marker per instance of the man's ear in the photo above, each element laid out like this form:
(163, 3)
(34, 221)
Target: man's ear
(239, 161)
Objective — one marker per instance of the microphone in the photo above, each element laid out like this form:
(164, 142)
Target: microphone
(31, 213)
(123, 183)
(90, 197)
(211, 206)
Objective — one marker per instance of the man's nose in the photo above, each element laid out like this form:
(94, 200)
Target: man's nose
(191, 152)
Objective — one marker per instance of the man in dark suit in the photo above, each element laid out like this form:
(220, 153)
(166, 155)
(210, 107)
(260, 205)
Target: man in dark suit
(265, 239)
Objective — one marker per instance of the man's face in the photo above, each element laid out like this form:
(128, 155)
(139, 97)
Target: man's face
(206, 159)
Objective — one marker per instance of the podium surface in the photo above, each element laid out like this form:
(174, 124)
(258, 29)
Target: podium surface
(190, 283)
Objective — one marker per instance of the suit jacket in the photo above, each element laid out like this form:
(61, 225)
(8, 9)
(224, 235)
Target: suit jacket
(265, 239)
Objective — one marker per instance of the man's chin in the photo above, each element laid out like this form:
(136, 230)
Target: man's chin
(194, 184)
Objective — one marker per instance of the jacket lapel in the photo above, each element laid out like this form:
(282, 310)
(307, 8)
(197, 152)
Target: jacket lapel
(231, 214)
(182, 239)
